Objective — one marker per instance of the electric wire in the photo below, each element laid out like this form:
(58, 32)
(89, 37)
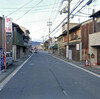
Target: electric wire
(66, 17)
(35, 10)
(57, 12)
(84, 13)
(38, 21)
(56, 30)
(52, 9)
(32, 12)
(29, 10)
(20, 8)
(31, 7)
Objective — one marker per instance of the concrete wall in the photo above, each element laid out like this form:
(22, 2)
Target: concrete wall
(64, 26)
(21, 52)
(94, 41)
(14, 52)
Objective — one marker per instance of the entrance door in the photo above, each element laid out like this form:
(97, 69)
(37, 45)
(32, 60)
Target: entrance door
(98, 55)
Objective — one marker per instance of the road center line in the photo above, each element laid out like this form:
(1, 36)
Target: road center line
(5, 81)
(65, 93)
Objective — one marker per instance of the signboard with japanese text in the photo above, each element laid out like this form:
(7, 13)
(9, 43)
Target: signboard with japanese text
(8, 29)
(8, 24)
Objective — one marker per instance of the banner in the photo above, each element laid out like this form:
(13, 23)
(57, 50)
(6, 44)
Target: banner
(8, 29)
(8, 24)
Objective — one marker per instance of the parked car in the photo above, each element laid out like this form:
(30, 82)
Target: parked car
(9, 59)
(35, 51)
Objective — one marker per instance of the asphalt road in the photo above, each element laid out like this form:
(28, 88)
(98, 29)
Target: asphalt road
(45, 77)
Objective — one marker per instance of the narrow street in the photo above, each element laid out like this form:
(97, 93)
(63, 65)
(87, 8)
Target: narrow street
(46, 77)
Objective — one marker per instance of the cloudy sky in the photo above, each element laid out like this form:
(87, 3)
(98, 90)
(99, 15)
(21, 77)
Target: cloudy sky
(34, 14)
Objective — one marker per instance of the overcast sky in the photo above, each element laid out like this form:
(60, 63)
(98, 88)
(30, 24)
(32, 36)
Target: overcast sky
(34, 14)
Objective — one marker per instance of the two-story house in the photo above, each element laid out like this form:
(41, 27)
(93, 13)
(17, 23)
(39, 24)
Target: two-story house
(78, 41)
(18, 42)
(26, 38)
(62, 39)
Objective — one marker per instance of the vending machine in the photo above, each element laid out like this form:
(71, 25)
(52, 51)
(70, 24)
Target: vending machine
(1, 59)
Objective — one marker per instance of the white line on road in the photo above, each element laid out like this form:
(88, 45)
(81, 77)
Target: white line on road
(90, 72)
(65, 93)
(5, 81)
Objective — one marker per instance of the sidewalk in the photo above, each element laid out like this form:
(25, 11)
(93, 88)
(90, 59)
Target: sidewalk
(95, 69)
(11, 68)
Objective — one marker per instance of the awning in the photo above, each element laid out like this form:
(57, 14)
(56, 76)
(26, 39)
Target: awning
(55, 46)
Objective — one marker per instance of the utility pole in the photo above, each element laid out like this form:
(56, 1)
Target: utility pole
(49, 24)
(67, 47)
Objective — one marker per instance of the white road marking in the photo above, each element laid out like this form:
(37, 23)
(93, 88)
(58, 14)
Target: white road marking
(90, 72)
(5, 81)
(65, 93)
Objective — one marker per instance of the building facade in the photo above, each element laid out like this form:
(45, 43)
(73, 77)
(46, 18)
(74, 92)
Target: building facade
(94, 40)
(78, 41)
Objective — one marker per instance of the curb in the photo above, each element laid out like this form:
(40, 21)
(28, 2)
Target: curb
(7, 78)
(77, 66)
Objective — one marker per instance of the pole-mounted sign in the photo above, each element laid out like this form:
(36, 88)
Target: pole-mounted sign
(8, 33)
(8, 24)
(8, 28)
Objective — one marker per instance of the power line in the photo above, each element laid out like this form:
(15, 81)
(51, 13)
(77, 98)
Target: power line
(57, 12)
(55, 31)
(66, 18)
(73, 15)
(37, 21)
(32, 7)
(84, 13)
(29, 10)
(80, 9)
(52, 8)
(32, 10)
(20, 8)
(77, 6)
